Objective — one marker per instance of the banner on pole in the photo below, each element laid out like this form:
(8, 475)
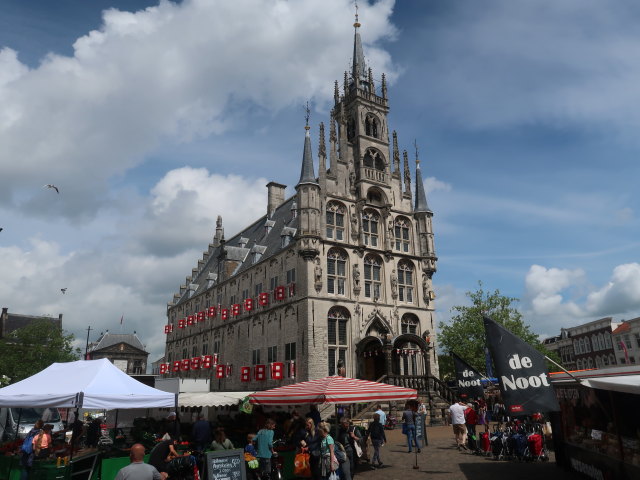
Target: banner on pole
(522, 371)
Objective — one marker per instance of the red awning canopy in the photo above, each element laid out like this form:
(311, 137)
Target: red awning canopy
(332, 390)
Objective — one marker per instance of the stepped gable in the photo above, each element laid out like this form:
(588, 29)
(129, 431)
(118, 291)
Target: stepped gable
(263, 236)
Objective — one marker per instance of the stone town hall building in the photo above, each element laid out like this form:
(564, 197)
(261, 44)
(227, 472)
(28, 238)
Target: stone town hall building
(336, 279)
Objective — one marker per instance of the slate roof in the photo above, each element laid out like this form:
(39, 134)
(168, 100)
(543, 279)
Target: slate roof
(110, 339)
(255, 239)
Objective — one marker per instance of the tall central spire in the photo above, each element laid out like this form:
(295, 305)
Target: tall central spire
(359, 69)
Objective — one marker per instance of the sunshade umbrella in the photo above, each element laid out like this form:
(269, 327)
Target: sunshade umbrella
(332, 390)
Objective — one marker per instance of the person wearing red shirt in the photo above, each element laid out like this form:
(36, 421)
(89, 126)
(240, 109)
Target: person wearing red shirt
(471, 420)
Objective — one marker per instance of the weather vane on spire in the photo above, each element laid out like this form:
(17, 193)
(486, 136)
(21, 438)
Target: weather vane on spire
(357, 23)
(415, 145)
(307, 114)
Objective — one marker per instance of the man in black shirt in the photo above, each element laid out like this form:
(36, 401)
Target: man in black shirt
(162, 454)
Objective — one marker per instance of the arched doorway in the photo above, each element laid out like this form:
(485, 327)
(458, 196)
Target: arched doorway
(409, 355)
(371, 358)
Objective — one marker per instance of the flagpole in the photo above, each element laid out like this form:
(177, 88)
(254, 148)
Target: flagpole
(564, 370)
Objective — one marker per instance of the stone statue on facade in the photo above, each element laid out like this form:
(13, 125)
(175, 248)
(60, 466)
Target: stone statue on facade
(390, 234)
(394, 284)
(354, 226)
(425, 288)
(352, 181)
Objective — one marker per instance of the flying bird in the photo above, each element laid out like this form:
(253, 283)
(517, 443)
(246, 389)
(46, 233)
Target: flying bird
(50, 185)
(63, 290)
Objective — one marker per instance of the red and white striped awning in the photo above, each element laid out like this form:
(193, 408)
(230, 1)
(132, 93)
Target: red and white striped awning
(332, 390)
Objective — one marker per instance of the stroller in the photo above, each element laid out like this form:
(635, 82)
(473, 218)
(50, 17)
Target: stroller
(391, 422)
(536, 449)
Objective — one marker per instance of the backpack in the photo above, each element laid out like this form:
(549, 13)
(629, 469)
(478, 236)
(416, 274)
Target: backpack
(339, 452)
(27, 444)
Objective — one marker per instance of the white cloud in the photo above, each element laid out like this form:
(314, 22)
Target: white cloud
(184, 206)
(137, 276)
(620, 295)
(432, 184)
(173, 72)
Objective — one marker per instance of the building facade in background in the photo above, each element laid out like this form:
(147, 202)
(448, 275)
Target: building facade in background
(125, 351)
(626, 341)
(336, 279)
(10, 322)
(585, 346)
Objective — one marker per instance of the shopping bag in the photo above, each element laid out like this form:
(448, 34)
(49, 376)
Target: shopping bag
(334, 476)
(357, 448)
(302, 465)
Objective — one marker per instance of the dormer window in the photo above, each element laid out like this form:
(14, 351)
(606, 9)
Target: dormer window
(242, 242)
(256, 253)
(268, 225)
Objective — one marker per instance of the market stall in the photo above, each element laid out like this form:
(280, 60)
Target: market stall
(329, 390)
(596, 433)
(93, 384)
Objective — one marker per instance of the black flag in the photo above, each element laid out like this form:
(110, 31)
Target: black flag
(522, 371)
(467, 379)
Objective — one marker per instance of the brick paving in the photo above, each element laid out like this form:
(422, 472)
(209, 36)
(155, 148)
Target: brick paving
(441, 460)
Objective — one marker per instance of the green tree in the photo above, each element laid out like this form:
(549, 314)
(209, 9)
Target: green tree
(31, 349)
(465, 335)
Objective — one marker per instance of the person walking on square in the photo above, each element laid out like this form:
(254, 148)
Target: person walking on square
(383, 416)
(458, 421)
(378, 439)
(409, 427)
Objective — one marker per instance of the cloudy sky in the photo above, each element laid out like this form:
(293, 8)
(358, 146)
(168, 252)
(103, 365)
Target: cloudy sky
(154, 118)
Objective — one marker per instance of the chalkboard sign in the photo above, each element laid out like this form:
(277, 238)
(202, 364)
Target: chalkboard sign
(226, 465)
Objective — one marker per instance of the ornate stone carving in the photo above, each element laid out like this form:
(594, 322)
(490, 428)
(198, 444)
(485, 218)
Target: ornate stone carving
(354, 225)
(356, 279)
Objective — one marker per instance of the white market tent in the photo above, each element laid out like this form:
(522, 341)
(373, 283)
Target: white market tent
(624, 378)
(91, 384)
(211, 399)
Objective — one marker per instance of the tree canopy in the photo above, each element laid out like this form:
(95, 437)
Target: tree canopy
(29, 350)
(465, 335)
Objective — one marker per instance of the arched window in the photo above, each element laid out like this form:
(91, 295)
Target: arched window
(410, 324)
(372, 276)
(374, 159)
(605, 360)
(402, 234)
(590, 363)
(371, 126)
(335, 221)
(405, 282)
(607, 339)
(370, 228)
(336, 271)
(598, 364)
(337, 332)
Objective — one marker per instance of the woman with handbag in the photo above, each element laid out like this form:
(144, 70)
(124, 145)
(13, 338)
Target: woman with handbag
(312, 443)
(329, 463)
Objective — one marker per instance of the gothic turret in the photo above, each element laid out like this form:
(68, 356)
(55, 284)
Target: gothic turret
(423, 215)
(308, 191)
